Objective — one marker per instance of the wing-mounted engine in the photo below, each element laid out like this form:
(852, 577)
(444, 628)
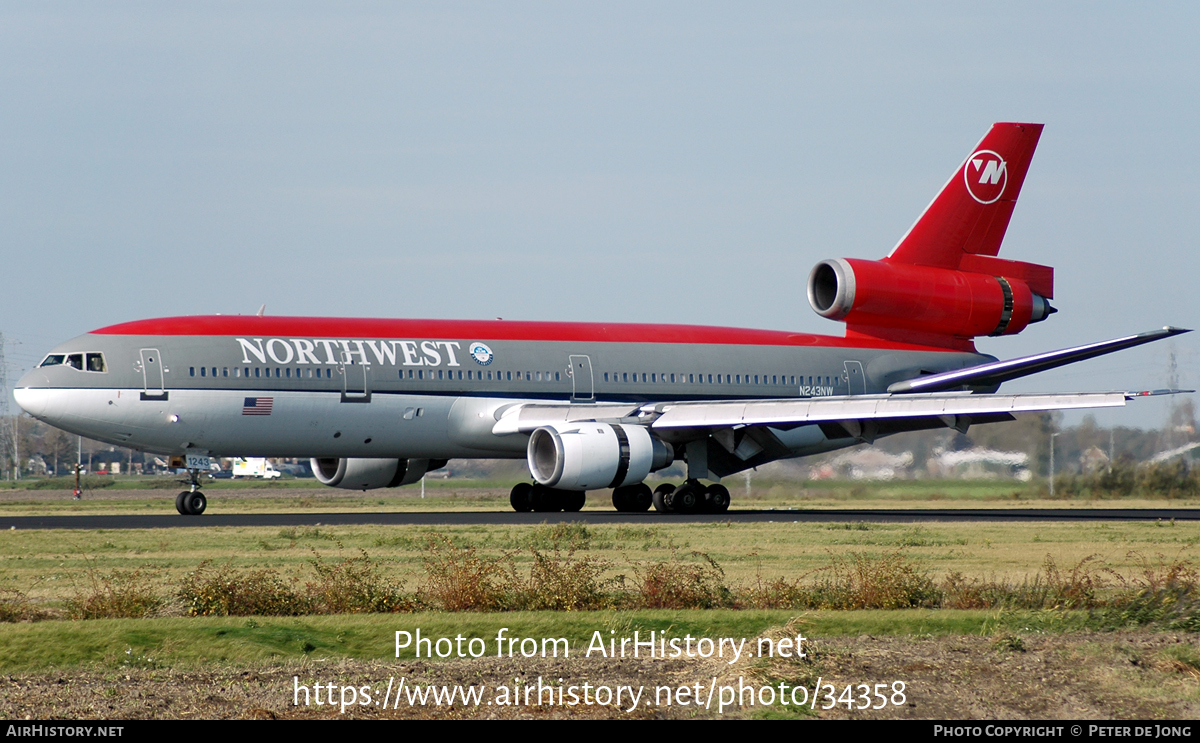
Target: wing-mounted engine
(368, 474)
(590, 455)
(943, 285)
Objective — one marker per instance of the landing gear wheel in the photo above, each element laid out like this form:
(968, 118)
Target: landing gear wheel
(640, 498)
(573, 500)
(620, 499)
(180, 503)
(689, 498)
(195, 503)
(664, 498)
(716, 498)
(520, 497)
(544, 499)
(633, 498)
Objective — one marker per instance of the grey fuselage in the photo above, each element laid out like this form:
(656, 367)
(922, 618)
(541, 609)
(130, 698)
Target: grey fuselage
(245, 386)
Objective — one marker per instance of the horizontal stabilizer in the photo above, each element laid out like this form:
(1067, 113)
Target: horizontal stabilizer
(989, 376)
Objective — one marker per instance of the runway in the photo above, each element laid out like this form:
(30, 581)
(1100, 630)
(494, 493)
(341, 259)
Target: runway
(459, 518)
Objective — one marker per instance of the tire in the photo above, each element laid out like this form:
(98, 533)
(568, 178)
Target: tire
(195, 503)
(640, 498)
(717, 498)
(663, 498)
(689, 498)
(180, 504)
(573, 501)
(545, 500)
(621, 499)
(520, 497)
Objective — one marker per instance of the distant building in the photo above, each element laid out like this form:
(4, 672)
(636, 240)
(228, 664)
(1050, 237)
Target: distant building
(980, 464)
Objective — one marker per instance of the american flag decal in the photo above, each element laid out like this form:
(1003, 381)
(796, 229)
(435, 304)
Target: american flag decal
(257, 405)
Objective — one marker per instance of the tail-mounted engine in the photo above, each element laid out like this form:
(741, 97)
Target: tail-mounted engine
(368, 474)
(917, 303)
(587, 456)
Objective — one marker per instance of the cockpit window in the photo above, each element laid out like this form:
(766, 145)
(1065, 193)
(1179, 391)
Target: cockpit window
(93, 362)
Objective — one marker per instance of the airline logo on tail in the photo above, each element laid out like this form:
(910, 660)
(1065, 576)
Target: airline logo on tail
(986, 175)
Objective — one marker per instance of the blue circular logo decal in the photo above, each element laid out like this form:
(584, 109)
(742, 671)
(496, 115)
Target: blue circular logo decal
(481, 353)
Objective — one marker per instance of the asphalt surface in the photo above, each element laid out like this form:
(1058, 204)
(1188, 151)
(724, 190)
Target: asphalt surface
(597, 517)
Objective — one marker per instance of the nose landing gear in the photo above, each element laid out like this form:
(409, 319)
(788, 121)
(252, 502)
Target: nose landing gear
(191, 502)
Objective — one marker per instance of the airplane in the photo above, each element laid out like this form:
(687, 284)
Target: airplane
(378, 403)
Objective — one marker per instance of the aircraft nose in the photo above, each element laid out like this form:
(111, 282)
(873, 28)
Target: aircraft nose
(31, 393)
(32, 400)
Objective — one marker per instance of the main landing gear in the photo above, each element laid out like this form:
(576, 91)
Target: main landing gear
(691, 497)
(191, 502)
(526, 497)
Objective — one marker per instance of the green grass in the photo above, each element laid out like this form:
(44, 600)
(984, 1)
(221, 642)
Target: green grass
(51, 565)
(182, 642)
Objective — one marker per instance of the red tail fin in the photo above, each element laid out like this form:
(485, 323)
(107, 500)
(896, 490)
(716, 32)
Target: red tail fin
(964, 225)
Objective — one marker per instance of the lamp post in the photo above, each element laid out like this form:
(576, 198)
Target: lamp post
(1052, 437)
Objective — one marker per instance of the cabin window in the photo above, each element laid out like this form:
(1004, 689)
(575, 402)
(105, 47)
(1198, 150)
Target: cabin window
(224, 371)
(557, 376)
(672, 379)
(202, 370)
(257, 372)
(191, 371)
(490, 375)
(774, 379)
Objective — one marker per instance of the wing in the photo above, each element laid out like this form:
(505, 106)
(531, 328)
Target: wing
(853, 413)
(731, 436)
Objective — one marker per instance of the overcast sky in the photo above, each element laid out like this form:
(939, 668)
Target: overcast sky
(635, 162)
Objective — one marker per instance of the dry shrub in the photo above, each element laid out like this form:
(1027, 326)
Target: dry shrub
(354, 586)
(1075, 588)
(224, 591)
(16, 607)
(1162, 592)
(565, 583)
(678, 585)
(117, 595)
(459, 579)
(860, 581)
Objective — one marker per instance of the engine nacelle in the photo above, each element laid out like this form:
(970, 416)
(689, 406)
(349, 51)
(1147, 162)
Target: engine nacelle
(924, 299)
(368, 474)
(587, 456)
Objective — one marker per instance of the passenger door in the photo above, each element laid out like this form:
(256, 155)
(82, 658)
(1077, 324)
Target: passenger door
(152, 375)
(582, 386)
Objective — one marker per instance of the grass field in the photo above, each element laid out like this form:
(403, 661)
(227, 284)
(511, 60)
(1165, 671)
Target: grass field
(958, 664)
(51, 566)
